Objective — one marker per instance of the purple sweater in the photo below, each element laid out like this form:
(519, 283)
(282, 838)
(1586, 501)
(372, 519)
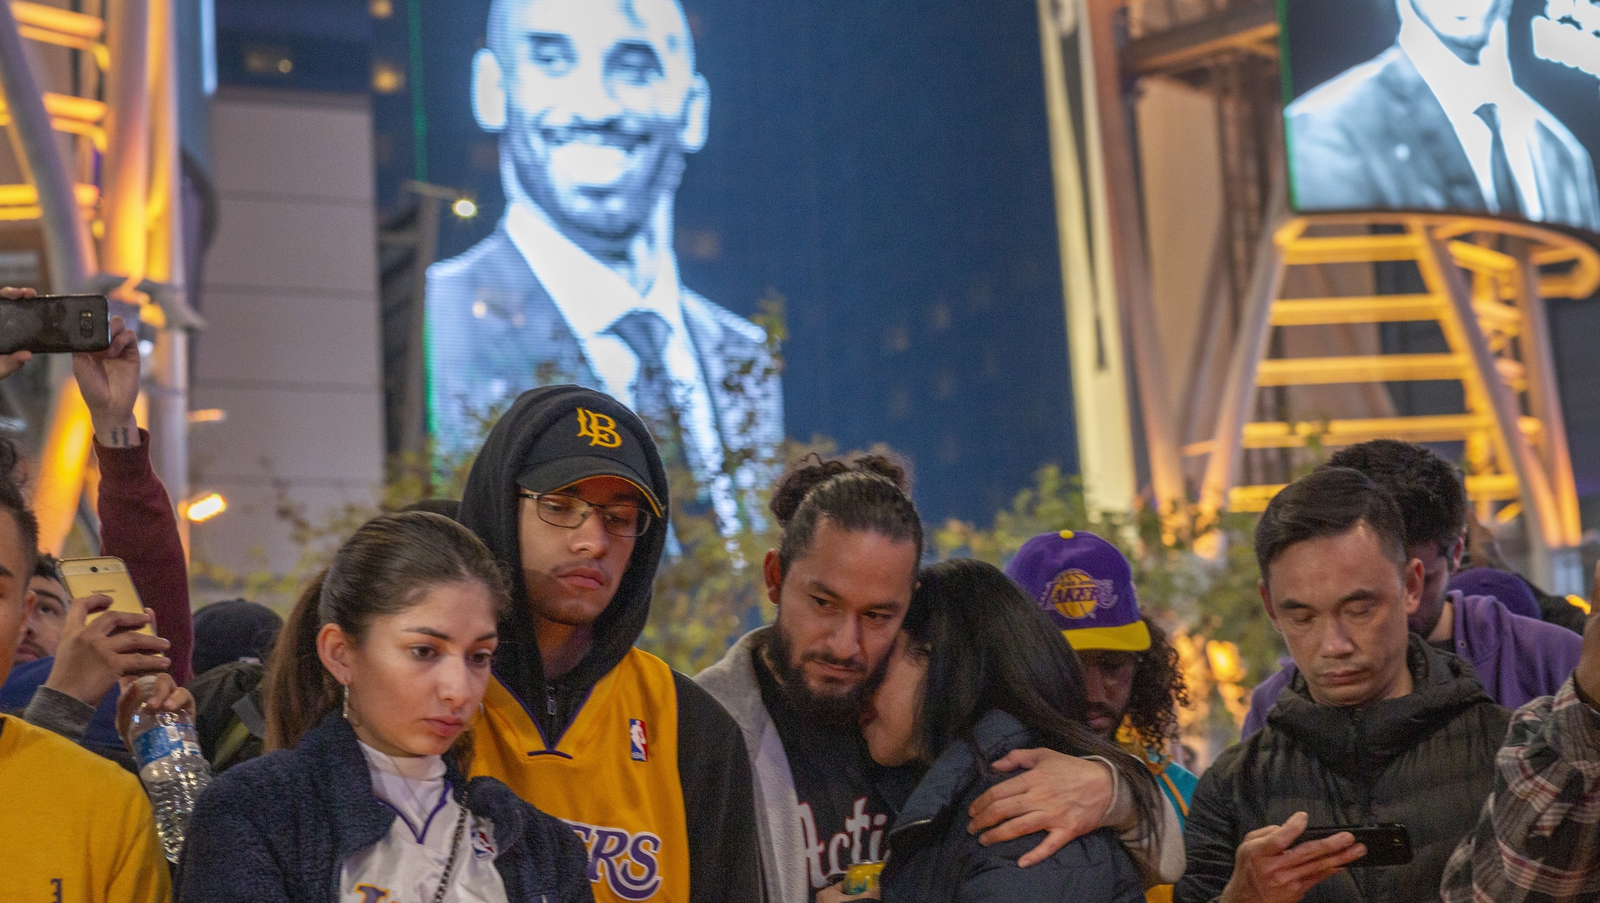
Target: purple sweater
(1517, 658)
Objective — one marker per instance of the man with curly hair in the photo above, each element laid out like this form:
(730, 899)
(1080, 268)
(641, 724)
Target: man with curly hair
(1131, 672)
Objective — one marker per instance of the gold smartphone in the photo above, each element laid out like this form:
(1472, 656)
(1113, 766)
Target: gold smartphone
(103, 577)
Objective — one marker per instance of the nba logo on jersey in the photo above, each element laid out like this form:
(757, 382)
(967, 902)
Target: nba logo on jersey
(482, 844)
(638, 743)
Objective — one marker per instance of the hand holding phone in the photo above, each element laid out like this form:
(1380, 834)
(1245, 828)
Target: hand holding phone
(100, 647)
(1387, 844)
(1271, 867)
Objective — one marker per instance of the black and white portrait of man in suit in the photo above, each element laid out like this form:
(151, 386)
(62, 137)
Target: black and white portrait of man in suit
(597, 104)
(1438, 122)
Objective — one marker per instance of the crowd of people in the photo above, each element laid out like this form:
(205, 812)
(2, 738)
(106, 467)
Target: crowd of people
(455, 709)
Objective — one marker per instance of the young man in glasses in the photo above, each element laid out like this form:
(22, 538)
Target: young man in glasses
(570, 494)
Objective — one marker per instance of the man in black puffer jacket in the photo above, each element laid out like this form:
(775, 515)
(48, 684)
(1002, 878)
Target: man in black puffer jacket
(1377, 727)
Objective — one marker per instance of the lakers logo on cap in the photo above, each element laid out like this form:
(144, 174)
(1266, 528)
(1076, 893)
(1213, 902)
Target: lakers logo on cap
(1076, 594)
(599, 429)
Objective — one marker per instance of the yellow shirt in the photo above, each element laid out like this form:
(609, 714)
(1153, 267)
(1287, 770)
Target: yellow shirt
(613, 776)
(75, 827)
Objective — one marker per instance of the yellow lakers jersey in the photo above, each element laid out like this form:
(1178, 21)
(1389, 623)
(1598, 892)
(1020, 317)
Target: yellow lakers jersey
(613, 777)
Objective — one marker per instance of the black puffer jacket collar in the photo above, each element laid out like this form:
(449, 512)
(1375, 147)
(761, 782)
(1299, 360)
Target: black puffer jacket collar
(489, 508)
(1361, 740)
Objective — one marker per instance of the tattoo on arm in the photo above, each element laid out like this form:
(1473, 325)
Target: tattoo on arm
(120, 438)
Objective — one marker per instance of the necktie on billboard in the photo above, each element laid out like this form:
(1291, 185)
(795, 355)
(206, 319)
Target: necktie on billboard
(1505, 184)
(654, 398)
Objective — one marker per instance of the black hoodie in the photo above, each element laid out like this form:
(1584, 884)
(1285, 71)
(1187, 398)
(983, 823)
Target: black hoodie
(712, 764)
(1424, 760)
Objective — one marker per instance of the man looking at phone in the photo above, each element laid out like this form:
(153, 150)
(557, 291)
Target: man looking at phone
(1538, 838)
(1516, 658)
(1377, 727)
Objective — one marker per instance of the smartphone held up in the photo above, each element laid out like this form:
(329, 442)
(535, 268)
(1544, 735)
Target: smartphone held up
(103, 577)
(55, 324)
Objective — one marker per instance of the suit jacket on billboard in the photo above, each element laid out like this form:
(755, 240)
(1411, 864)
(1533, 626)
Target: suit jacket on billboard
(1376, 138)
(493, 332)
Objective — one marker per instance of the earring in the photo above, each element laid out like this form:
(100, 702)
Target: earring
(347, 702)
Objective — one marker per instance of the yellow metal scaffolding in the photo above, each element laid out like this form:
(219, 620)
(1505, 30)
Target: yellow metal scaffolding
(1485, 286)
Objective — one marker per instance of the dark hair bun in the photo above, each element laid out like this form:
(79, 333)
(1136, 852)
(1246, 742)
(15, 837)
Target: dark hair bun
(890, 466)
(813, 470)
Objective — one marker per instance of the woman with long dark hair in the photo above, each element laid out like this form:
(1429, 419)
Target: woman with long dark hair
(373, 683)
(976, 672)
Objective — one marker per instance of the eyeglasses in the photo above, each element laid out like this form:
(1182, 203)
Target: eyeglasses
(570, 512)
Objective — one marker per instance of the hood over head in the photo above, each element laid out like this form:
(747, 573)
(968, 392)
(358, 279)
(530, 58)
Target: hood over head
(489, 507)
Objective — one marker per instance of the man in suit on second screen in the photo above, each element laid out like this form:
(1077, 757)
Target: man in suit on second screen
(597, 103)
(1436, 122)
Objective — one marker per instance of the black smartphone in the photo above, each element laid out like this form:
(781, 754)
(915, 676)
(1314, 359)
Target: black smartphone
(1387, 844)
(55, 324)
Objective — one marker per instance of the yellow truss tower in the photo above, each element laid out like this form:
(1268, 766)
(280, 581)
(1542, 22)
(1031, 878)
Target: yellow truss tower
(88, 106)
(1485, 284)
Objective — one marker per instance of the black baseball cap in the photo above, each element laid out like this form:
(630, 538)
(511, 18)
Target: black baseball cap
(587, 443)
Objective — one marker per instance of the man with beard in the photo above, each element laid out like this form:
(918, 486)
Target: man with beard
(842, 579)
(596, 104)
(570, 494)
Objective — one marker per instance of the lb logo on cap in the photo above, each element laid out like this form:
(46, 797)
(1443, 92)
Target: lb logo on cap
(599, 429)
(1076, 594)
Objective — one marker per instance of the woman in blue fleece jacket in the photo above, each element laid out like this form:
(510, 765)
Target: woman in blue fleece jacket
(372, 685)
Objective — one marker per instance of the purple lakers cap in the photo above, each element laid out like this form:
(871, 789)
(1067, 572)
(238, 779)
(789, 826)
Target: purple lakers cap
(1086, 587)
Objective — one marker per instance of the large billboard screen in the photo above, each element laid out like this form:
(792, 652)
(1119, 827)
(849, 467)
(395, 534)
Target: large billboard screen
(1476, 106)
(656, 178)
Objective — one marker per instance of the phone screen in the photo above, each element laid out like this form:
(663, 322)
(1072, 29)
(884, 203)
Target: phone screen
(103, 577)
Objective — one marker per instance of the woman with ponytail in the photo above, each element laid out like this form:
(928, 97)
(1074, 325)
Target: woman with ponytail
(371, 688)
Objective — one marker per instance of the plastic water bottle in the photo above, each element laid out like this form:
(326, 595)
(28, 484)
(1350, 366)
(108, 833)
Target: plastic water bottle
(173, 771)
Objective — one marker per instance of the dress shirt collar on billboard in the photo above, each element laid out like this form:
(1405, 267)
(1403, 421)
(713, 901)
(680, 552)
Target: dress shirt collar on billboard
(592, 297)
(1462, 88)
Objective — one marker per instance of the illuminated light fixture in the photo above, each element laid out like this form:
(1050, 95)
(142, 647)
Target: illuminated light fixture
(207, 507)
(208, 415)
(464, 208)
(387, 78)
(1226, 665)
(268, 61)
(381, 9)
